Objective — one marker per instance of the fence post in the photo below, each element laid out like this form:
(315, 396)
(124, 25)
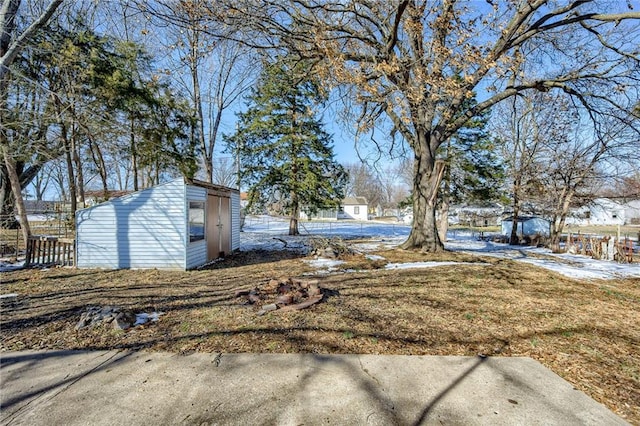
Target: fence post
(27, 260)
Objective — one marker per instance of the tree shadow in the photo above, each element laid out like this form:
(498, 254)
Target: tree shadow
(31, 361)
(253, 257)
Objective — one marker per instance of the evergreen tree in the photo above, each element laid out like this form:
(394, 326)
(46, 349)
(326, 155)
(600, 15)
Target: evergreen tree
(287, 157)
(475, 172)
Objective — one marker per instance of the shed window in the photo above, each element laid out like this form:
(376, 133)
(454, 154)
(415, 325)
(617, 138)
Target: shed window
(356, 210)
(196, 221)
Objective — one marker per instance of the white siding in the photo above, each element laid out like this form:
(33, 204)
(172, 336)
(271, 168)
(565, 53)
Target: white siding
(196, 253)
(350, 212)
(527, 227)
(235, 221)
(146, 229)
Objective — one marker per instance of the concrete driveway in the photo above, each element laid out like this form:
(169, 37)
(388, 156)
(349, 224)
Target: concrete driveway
(135, 388)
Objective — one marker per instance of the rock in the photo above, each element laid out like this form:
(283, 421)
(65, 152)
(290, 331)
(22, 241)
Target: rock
(267, 308)
(8, 298)
(106, 310)
(123, 320)
(82, 323)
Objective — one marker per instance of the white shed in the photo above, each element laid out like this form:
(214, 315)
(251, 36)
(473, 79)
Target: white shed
(528, 226)
(177, 225)
(354, 208)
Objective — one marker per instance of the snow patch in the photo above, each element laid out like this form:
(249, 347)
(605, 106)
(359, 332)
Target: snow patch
(322, 263)
(414, 265)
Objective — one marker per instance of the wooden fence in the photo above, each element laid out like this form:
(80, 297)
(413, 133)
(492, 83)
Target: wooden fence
(604, 248)
(42, 250)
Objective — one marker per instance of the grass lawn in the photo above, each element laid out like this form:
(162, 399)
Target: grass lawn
(588, 332)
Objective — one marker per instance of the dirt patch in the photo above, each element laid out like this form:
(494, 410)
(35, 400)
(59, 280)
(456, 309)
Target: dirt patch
(587, 332)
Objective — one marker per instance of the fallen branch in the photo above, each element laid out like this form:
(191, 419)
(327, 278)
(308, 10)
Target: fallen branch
(282, 241)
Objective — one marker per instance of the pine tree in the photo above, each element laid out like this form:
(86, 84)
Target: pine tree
(287, 158)
(473, 173)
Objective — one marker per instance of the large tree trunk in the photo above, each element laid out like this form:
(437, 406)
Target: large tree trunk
(197, 102)
(295, 214)
(513, 238)
(443, 225)
(7, 200)
(134, 153)
(73, 194)
(293, 226)
(98, 160)
(428, 174)
(560, 217)
(17, 191)
(77, 161)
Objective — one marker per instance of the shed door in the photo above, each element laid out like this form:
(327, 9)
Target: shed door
(218, 226)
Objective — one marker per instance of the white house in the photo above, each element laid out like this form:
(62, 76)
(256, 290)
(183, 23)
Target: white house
(177, 225)
(528, 226)
(632, 212)
(601, 211)
(350, 208)
(354, 208)
(486, 214)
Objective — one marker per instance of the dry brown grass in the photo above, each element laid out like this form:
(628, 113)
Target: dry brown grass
(585, 331)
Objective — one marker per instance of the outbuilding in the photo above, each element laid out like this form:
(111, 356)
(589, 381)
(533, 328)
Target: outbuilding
(181, 224)
(528, 226)
(354, 208)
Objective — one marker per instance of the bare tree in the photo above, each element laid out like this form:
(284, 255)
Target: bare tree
(526, 127)
(225, 172)
(219, 70)
(363, 182)
(393, 189)
(10, 46)
(578, 162)
(556, 157)
(418, 62)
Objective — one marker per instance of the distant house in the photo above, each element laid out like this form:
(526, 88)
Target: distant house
(177, 225)
(601, 211)
(632, 212)
(528, 226)
(350, 208)
(354, 208)
(487, 214)
(34, 207)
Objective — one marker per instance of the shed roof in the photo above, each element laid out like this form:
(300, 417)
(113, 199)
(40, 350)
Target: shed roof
(208, 185)
(523, 218)
(354, 201)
